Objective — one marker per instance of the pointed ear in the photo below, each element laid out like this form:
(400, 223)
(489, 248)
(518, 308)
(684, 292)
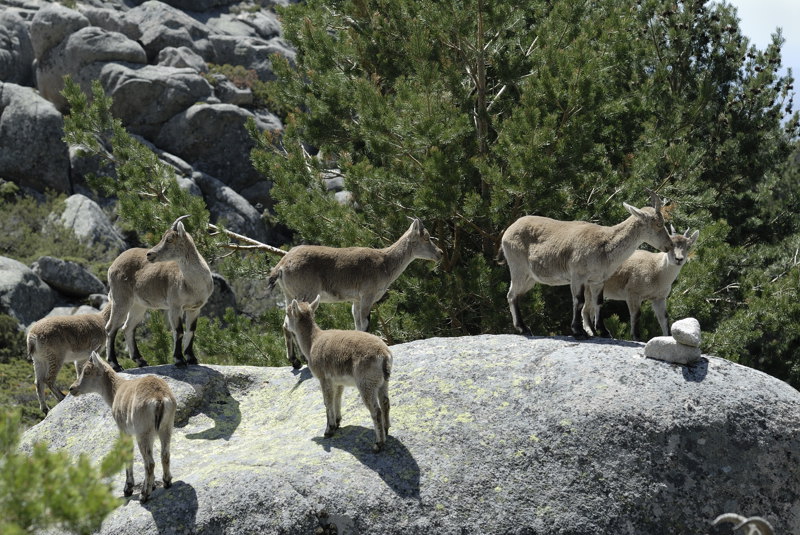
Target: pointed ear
(633, 210)
(686, 234)
(292, 308)
(315, 303)
(693, 237)
(656, 200)
(416, 226)
(94, 357)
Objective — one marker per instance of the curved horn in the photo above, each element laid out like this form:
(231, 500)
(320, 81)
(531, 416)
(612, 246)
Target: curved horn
(181, 218)
(761, 524)
(686, 234)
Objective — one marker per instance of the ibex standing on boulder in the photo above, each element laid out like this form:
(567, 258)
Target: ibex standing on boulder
(171, 276)
(357, 274)
(581, 254)
(142, 407)
(344, 358)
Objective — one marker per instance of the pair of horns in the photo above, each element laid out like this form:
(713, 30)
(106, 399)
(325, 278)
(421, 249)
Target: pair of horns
(181, 218)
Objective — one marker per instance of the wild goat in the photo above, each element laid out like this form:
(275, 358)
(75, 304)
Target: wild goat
(171, 276)
(357, 274)
(644, 275)
(141, 407)
(581, 254)
(58, 339)
(344, 358)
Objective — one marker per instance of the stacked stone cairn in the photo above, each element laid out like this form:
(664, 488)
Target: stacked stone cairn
(683, 347)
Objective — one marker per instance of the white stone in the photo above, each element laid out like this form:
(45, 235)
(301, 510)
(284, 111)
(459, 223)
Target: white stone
(668, 349)
(687, 332)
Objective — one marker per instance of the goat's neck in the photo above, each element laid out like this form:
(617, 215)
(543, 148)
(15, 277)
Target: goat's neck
(108, 386)
(308, 331)
(193, 265)
(670, 270)
(625, 238)
(398, 256)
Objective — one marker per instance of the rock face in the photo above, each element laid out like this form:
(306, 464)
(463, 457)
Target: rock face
(489, 434)
(31, 129)
(23, 295)
(90, 223)
(16, 51)
(67, 277)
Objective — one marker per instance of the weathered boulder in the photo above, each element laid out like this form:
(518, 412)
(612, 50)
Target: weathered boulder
(687, 332)
(33, 154)
(72, 310)
(489, 434)
(69, 278)
(250, 52)
(228, 93)
(88, 47)
(181, 57)
(164, 26)
(111, 20)
(16, 50)
(198, 5)
(668, 349)
(23, 295)
(263, 24)
(90, 223)
(214, 140)
(147, 96)
(51, 25)
(230, 208)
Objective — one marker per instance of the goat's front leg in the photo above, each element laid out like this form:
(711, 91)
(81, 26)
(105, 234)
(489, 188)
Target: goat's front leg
(595, 303)
(134, 318)
(190, 321)
(660, 308)
(578, 300)
(360, 309)
(328, 397)
(634, 310)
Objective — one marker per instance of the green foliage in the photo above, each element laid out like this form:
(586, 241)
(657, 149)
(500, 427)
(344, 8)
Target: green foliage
(49, 489)
(472, 114)
(27, 232)
(242, 78)
(12, 339)
(148, 196)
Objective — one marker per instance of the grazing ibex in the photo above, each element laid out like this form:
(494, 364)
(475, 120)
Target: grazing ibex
(171, 276)
(357, 274)
(55, 340)
(142, 407)
(344, 358)
(643, 276)
(581, 254)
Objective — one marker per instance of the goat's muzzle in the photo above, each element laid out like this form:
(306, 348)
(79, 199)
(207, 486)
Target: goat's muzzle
(151, 256)
(73, 390)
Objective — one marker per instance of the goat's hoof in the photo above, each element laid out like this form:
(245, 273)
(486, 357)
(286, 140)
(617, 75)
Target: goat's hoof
(296, 364)
(167, 483)
(143, 498)
(141, 363)
(192, 361)
(180, 363)
(377, 447)
(116, 367)
(127, 491)
(329, 433)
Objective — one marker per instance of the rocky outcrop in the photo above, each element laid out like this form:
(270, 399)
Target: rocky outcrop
(489, 434)
(164, 26)
(90, 224)
(16, 51)
(228, 207)
(31, 129)
(23, 295)
(67, 277)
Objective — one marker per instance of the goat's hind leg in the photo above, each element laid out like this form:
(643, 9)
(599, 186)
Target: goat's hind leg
(578, 300)
(176, 323)
(370, 397)
(145, 441)
(165, 437)
(135, 317)
(521, 283)
(190, 321)
(328, 396)
(40, 372)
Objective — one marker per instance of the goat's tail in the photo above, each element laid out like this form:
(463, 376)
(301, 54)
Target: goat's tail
(501, 257)
(159, 413)
(31, 346)
(274, 276)
(387, 367)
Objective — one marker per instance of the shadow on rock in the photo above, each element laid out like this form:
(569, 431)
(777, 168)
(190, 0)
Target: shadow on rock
(174, 509)
(211, 397)
(697, 371)
(302, 375)
(395, 465)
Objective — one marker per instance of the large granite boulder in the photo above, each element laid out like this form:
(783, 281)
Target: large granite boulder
(147, 96)
(69, 278)
(489, 434)
(197, 5)
(16, 50)
(23, 295)
(164, 26)
(90, 224)
(51, 25)
(111, 20)
(87, 47)
(33, 154)
(250, 52)
(263, 24)
(228, 207)
(214, 140)
(181, 57)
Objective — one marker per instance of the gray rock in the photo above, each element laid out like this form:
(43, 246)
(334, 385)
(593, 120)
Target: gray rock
(199, 5)
(687, 332)
(33, 154)
(51, 25)
(147, 96)
(97, 301)
(222, 298)
(250, 52)
(90, 223)
(334, 184)
(111, 20)
(230, 208)
(181, 57)
(164, 26)
(263, 24)
(23, 295)
(668, 349)
(228, 93)
(16, 50)
(189, 185)
(67, 277)
(72, 310)
(80, 55)
(214, 140)
(490, 434)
